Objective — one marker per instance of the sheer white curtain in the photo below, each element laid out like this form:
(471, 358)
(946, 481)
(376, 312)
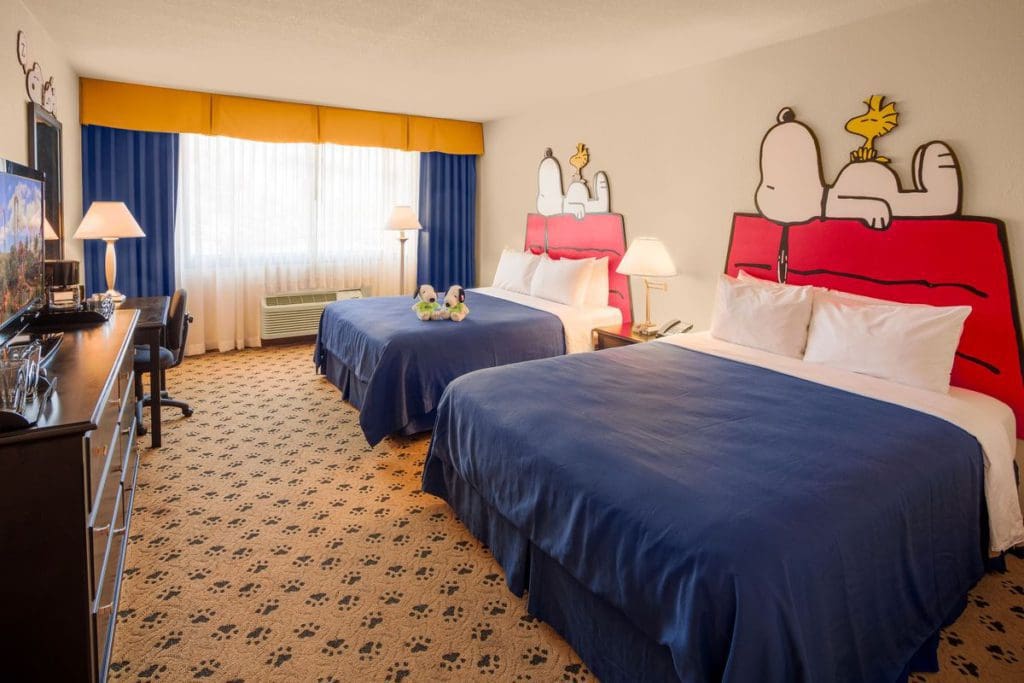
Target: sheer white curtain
(257, 218)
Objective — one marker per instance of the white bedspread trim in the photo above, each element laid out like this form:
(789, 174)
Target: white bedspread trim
(989, 420)
(578, 323)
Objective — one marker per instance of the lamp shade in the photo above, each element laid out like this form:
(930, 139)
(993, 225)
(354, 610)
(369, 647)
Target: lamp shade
(108, 220)
(648, 257)
(48, 232)
(403, 218)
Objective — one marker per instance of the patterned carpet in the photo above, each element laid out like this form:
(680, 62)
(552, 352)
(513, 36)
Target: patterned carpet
(269, 543)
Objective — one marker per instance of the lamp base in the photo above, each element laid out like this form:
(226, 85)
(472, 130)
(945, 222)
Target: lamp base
(115, 296)
(645, 329)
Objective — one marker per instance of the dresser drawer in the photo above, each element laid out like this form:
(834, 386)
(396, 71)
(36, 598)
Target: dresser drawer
(126, 427)
(109, 518)
(99, 444)
(105, 603)
(125, 380)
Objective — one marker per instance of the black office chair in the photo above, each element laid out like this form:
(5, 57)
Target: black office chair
(170, 357)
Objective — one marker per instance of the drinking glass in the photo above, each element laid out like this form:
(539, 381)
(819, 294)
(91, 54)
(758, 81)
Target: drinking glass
(32, 354)
(13, 374)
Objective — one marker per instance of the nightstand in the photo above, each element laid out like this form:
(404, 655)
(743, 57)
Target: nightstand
(623, 335)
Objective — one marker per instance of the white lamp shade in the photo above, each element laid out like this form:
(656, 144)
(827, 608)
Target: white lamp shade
(647, 257)
(49, 233)
(403, 218)
(108, 220)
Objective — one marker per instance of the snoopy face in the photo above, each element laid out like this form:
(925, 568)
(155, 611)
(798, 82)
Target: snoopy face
(549, 187)
(455, 296)
(791, 184)
(426, 293)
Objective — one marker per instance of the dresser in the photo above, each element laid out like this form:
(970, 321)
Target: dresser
(66, 491)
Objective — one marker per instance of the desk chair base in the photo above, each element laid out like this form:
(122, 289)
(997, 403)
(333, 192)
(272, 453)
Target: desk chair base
(147, 400)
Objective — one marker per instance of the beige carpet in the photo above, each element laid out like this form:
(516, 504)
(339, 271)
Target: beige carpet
(270, 543)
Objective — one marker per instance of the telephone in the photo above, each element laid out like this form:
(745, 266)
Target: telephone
(673, 327)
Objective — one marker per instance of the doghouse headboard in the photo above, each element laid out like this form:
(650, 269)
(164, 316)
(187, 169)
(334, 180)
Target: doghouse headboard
(937, 261)
(597, 234)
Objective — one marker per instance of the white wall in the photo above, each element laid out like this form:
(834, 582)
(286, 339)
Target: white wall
(14, 106)
(681, 150)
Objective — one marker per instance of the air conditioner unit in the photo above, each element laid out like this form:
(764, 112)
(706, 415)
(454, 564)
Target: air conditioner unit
(297, 314)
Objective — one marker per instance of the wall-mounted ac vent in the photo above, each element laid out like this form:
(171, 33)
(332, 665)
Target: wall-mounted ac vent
(297, 314)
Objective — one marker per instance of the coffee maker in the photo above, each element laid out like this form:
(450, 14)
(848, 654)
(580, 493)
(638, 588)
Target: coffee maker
(63, 291)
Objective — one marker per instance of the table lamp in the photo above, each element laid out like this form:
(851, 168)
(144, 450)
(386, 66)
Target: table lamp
(403, 218)
(647, 257)
(109, 221)
(49, 234)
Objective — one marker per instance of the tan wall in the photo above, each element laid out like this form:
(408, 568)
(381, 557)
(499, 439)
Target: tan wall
(14, 106)
(681, 151)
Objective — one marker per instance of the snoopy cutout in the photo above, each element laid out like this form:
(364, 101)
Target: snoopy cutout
(793, 190)
(576, 200)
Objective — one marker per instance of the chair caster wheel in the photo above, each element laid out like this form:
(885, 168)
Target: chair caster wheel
(187, 413)
(140, 431)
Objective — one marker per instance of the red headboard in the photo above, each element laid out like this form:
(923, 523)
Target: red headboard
(938, 261)
(596, 234)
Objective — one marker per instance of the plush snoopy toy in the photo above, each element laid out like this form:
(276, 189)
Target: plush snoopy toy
(426, 306)
(455, 303)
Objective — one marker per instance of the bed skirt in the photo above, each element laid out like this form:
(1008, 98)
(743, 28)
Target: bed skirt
(353, 390)
(612, 647)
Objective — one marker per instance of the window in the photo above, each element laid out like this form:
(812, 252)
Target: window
(256, 218)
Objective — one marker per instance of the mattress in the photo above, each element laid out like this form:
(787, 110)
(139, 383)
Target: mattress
(755, 524)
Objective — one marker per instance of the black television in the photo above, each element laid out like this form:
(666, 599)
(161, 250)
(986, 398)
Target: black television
(21, 247)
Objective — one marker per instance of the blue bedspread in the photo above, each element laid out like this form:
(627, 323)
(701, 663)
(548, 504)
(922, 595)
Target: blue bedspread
(762, 527)
(394, 367)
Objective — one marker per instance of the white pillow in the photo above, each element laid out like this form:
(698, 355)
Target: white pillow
(769, 318)
(597, 287)
(824, 292)
(911, 344)
(515, 270)
(563, 281)
(841, 297)
(744, 276)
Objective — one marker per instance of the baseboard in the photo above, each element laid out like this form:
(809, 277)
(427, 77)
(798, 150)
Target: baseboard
(304, 339)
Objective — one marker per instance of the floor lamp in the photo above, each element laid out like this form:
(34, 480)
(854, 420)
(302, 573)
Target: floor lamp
(403, 218)
(109, 221)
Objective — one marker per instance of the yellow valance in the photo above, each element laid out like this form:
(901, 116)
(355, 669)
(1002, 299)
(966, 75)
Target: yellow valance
(445, 135)
(166, 110)
(364, 128)
(143, 107)
(263, 120)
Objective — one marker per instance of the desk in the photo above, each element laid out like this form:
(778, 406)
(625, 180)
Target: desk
(149, 331)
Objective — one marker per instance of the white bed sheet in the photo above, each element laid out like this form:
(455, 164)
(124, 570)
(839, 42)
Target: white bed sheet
(989, 420)
(578, 323)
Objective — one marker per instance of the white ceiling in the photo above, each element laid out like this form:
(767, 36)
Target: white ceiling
(469, 59)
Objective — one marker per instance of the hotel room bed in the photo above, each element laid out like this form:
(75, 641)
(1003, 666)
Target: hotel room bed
(738, 522)
(394, 367)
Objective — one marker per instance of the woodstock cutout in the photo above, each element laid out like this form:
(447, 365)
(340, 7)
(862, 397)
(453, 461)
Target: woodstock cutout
(576, 200)
(793, 190)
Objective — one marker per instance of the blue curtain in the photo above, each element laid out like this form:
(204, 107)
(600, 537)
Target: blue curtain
(447, 243)
(141, 170)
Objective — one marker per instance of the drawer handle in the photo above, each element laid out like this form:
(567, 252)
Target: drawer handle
(115, 532)
(105, 608)
(101, 529)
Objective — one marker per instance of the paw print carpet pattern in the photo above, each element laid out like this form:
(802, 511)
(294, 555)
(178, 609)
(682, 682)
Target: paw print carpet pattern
(270, 543)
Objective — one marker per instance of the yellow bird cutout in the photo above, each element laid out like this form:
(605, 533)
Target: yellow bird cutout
(874, 124)
(580, 159)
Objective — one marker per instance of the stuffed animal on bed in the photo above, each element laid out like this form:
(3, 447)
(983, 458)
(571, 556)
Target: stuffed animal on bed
(455, 303)
(426, 306)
